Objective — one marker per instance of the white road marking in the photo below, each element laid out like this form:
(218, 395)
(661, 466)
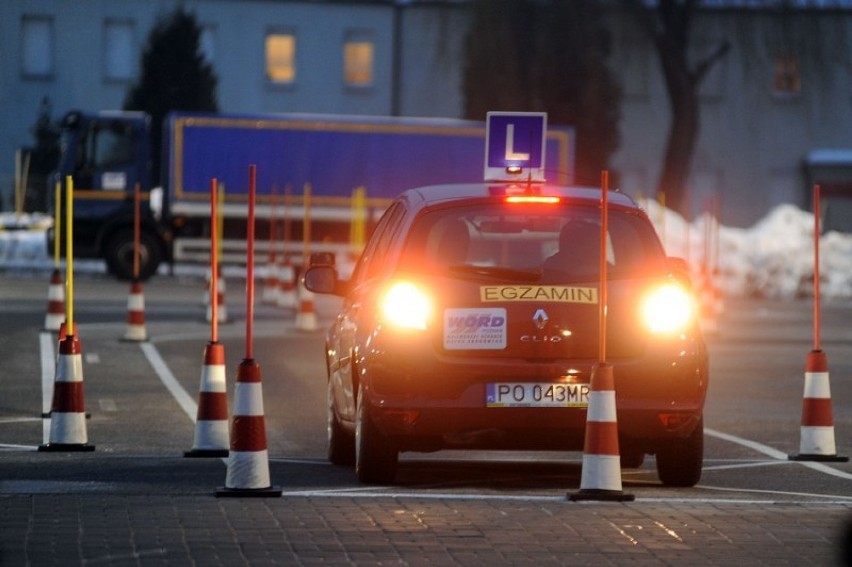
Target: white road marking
(776, 454)
(48, 371)
(169, 381)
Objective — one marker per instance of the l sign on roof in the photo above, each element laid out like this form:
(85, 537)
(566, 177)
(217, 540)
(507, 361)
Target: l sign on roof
(514, 146)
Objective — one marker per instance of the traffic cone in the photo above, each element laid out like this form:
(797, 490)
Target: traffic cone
(55, 303)
(286, 283)
(601, 475)
(306, 315)
(68, 416)
(211, 424)
(817, 429)
(136, 314)
(221, 307)
(270, 283)
(248, 463)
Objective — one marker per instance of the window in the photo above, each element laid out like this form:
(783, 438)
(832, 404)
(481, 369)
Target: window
(37, 47)
(118, 50)
(787, 75)
(358, 52)
(281, 57)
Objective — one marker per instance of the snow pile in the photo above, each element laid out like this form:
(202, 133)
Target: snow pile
(773, 258)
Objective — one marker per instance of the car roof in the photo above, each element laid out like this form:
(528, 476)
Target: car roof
(436, 195)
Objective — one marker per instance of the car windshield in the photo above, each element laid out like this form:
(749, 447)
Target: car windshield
(529, 243)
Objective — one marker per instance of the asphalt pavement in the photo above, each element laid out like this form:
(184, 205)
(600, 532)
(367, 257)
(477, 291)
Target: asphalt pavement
(128, 503)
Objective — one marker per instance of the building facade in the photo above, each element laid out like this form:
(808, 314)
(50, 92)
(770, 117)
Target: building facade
(783, 90)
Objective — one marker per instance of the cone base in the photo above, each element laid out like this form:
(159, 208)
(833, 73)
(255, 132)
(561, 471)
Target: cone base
(65, 447)
(206, 453)
(269, 492)
(820, 458)
(601, 495)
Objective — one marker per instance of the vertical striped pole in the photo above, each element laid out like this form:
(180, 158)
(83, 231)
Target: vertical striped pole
(601, 473)
(248, 462)
(817, 424)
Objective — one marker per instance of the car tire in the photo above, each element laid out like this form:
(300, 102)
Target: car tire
(375, 459)
(631, 458)
(341, 443)
(679, 463)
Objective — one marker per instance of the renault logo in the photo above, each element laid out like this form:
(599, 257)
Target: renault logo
(540, 319)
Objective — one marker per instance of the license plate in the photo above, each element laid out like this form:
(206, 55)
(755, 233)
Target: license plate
(532, 394)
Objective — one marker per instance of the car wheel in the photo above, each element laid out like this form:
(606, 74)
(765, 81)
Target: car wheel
(375, 460)
(341, 444)
(679, 463)
(631, 458)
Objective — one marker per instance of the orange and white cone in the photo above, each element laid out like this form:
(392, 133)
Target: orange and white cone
(270, 284)
(306, 314)
(221, 307)
(286, 284)
(601, 475)
(136, 330)
(211, 424)
(248, 462)
(55, 303)
(68, 414)
(817, 429)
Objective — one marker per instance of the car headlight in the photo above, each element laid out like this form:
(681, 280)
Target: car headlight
(668, 309)
(405, 305)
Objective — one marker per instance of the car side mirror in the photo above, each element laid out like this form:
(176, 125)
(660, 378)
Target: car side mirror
(322, 278)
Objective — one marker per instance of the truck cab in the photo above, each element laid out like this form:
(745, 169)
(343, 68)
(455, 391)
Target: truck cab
(107, 154)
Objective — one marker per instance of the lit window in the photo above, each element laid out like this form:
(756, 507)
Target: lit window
(358, 63)
(281, 57)
(37, 46)
(787, 75)
(118, 50)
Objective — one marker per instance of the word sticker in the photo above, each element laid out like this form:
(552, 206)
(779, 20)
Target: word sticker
(475, 328)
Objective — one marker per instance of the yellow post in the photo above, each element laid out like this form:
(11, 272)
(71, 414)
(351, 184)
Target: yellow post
(358, 228)
(57, 207)
(69, 255)
(306, 228)
(220, 220)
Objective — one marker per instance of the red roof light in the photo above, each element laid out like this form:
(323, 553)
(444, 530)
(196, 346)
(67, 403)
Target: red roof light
(549, 200)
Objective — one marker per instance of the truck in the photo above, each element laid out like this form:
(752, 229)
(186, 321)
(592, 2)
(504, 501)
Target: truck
(308, 168)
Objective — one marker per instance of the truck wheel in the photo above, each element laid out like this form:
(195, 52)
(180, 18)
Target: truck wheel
(375, 460)
(341, 444)
(679, 463)
(119, 255)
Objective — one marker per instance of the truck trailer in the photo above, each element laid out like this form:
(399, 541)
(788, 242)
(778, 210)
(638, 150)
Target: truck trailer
(308, 168)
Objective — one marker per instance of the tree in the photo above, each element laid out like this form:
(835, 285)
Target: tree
(44, 158)
(668, 24)
(550, 56)
(175, 75)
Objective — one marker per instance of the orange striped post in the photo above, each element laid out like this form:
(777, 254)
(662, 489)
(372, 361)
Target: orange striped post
(211, 420)
(55, 294)
(136, 330)
(817, 424)
(286, 273)
(601, 474)
(248, 463)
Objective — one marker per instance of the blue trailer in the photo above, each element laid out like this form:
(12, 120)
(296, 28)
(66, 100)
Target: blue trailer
(324, 156)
